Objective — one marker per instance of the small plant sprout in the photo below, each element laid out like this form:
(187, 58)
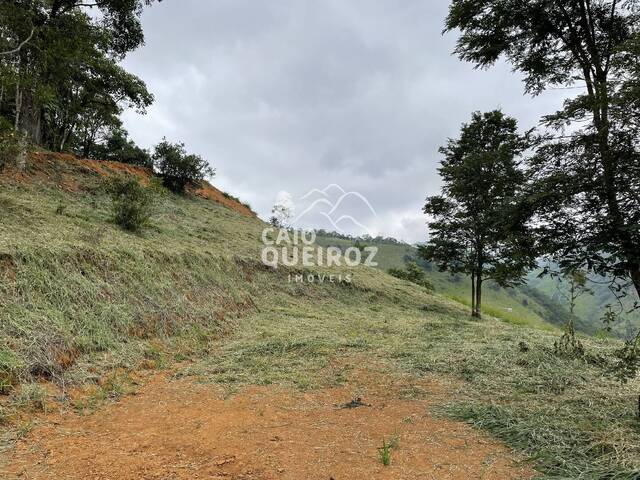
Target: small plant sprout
(385, 453)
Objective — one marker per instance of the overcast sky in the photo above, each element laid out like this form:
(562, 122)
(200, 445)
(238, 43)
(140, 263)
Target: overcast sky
(284, 96)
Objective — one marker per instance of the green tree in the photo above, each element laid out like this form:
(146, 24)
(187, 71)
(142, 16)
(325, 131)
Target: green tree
(586, 171)
(177, 168)
(412, 273)
(475, 225)
(117, 146)
(281, 215)
(60, 82)
(571, 286)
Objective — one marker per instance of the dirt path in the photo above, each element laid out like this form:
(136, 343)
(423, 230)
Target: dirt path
(179, 429)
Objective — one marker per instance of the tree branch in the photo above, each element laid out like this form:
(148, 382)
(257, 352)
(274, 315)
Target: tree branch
(19, 47)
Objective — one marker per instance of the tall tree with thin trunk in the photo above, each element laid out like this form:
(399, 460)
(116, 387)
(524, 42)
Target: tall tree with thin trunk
(475, 225)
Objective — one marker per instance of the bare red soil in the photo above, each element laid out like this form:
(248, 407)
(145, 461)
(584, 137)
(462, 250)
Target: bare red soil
(178, 429)
(66, 170)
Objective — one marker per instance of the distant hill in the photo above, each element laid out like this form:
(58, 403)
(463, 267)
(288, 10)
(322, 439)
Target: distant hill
(591, 307)
(537, 303)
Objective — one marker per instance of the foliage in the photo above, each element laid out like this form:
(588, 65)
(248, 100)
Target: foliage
(586, 168)
(132, 203)
(64, 88)
(177, 168)
(9, 144)
(568, 344)
(412, 273)
(360, 245)
(576, 286)
(117, 146)
(280, 216)
(385, 453)
(361, 238)
(589, 308)
(571, 285)
(609, 318)
(627, 364)
(476, 228)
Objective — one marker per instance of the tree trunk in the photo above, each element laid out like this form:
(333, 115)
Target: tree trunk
(18, 106)
(572, 305)
(65, 136)
(29, 118)
(479, 297)
(473, 294)
(21, 157)
(635, 276)
(27, 124)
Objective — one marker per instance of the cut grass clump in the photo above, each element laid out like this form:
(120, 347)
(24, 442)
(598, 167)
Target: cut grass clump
(31, 396)
(572, 420)
(559, 446)
(9, 365)
(113, 387)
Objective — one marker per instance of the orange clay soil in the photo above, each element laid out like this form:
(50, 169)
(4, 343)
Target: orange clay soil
(66, 171)
(179, 429)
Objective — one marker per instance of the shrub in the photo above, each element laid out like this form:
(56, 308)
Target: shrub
(131, 203)
(177, 168)
(117, 146)
(413, 273)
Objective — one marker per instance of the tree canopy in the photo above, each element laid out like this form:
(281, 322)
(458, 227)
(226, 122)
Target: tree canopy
(62, 86)
(586, 170)
(475, 227)
(178, 168)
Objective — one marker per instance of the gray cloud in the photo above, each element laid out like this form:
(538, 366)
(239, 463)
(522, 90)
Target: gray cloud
(288, 95)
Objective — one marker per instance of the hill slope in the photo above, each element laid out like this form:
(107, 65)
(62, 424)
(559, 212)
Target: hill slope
(538, 303)
(81, 301)
(519, 306)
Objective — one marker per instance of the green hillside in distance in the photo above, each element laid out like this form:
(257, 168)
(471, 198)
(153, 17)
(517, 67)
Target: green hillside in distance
(591, 306)
(536, 303)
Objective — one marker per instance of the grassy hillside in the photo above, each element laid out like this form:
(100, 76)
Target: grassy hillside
(519, 306)
(75, 285)
(80, 299)
(538, 303)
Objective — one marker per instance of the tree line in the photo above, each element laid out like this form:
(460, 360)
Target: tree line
(359, 238)
(568, 190)
(61, 85)
(62, 88)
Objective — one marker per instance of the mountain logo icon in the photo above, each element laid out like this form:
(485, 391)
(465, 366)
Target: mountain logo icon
(331, 203)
